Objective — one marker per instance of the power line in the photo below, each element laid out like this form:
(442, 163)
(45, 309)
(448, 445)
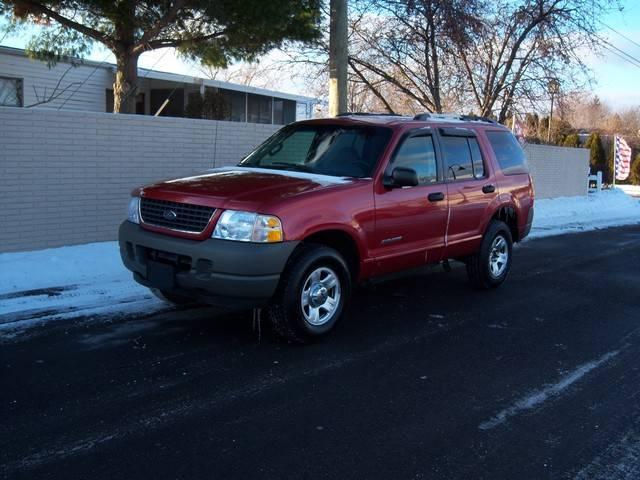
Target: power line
(621, 34)
(619, 52)
(622, 57)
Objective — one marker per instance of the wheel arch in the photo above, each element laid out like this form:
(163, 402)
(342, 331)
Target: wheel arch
(508, 214)
(341, 241)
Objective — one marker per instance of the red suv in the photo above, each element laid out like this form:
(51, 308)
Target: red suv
(326, 203)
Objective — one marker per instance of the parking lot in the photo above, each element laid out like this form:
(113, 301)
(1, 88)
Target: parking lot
(426, 378)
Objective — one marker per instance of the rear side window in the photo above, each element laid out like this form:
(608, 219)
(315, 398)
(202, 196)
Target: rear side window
(418, 153)
(463, 158)
(510, 156)
(476, 158)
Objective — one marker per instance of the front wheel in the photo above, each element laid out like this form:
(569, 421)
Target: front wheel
(312, 294)
(489, 267)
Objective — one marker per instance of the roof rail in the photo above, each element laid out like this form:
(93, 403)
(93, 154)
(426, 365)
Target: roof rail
(368, 114)
(452, 116)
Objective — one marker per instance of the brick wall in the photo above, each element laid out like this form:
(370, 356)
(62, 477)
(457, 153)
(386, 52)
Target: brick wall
(65, 177)
(558, 171)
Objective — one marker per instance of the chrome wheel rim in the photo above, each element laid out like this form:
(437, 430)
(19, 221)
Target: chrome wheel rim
(498, 256)
(320, 296)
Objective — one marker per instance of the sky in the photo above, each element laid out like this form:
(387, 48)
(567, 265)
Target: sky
(617, 81)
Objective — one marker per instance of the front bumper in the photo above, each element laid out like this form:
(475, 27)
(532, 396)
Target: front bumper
(219, 272)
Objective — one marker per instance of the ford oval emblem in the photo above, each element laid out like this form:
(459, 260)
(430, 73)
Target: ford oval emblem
(169, 215)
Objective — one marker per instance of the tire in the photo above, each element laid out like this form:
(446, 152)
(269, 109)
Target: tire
(301, 310)
(171, 298)
(484, 268)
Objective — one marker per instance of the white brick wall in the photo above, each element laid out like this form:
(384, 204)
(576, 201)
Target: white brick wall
(558, 171)
(65, 177)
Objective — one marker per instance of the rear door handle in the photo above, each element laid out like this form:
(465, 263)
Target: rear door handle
(488, 189)
(436, 196)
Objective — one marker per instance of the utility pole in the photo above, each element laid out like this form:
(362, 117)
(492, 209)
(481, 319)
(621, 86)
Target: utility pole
(554, 88)
(338, 53)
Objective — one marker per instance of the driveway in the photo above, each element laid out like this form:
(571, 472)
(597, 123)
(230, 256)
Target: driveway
(426, 378)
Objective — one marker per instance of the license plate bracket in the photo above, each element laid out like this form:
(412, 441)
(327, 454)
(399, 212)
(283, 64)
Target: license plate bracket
(161, 275)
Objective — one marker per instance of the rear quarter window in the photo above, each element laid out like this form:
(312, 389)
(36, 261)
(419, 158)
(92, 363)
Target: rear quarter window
(510, 156)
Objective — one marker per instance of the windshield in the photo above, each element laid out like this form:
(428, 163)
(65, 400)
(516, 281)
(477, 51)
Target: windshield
(341, 151)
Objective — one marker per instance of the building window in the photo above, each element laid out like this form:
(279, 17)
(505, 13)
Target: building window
(259, 109)
(140, 103)
(289, 111)
(236, 105)
(174, 106)
(284, 111)
(278, 111)
(11, 92)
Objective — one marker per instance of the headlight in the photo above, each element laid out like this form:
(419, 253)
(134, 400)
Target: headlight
(134, 210)
(248, 227)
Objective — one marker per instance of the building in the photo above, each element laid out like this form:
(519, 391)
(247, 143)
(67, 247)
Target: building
(88, 86)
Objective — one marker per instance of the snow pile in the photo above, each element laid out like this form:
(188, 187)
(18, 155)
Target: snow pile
(630, 189)
(608, 208)
(65, 283)
(90, 280)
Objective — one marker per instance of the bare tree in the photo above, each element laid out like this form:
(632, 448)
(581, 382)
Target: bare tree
(489, 58)
(584, 111)
(263, 74)
(397, 60)
(522, 45)
(409, 45)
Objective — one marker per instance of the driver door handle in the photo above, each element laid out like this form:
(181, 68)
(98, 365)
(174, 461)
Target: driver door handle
(435, 196)
(489, 188)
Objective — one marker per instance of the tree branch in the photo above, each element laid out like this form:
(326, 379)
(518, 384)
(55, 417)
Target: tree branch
(153, 32)
(176, 42)
(370, 86)
(67, 22)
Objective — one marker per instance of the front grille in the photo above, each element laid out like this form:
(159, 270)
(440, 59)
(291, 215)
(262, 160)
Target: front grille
(174, 215)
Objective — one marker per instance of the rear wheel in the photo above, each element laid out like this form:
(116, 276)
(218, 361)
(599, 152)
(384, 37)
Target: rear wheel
(489, 267)
(312, 294)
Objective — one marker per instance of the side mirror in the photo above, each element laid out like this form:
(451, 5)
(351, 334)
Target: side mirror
(402, 177)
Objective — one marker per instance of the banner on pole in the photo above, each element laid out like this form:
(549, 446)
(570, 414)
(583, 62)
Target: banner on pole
(622, 160)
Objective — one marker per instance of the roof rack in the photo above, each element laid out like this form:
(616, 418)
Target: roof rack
(452, 116)
(368, 114)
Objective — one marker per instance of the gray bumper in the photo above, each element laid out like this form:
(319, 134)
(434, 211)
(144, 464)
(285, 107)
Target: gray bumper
(220, 272)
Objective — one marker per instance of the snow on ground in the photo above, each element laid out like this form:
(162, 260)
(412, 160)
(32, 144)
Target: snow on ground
(68, 282)
(608, 208)
(90, 280)
(633, 190)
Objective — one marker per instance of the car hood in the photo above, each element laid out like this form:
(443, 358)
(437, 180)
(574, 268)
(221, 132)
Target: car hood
(240, 187)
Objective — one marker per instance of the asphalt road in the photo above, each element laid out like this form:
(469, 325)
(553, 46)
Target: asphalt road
(426, 378)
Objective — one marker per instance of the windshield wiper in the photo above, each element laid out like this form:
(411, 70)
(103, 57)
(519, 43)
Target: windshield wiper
(291, 166)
